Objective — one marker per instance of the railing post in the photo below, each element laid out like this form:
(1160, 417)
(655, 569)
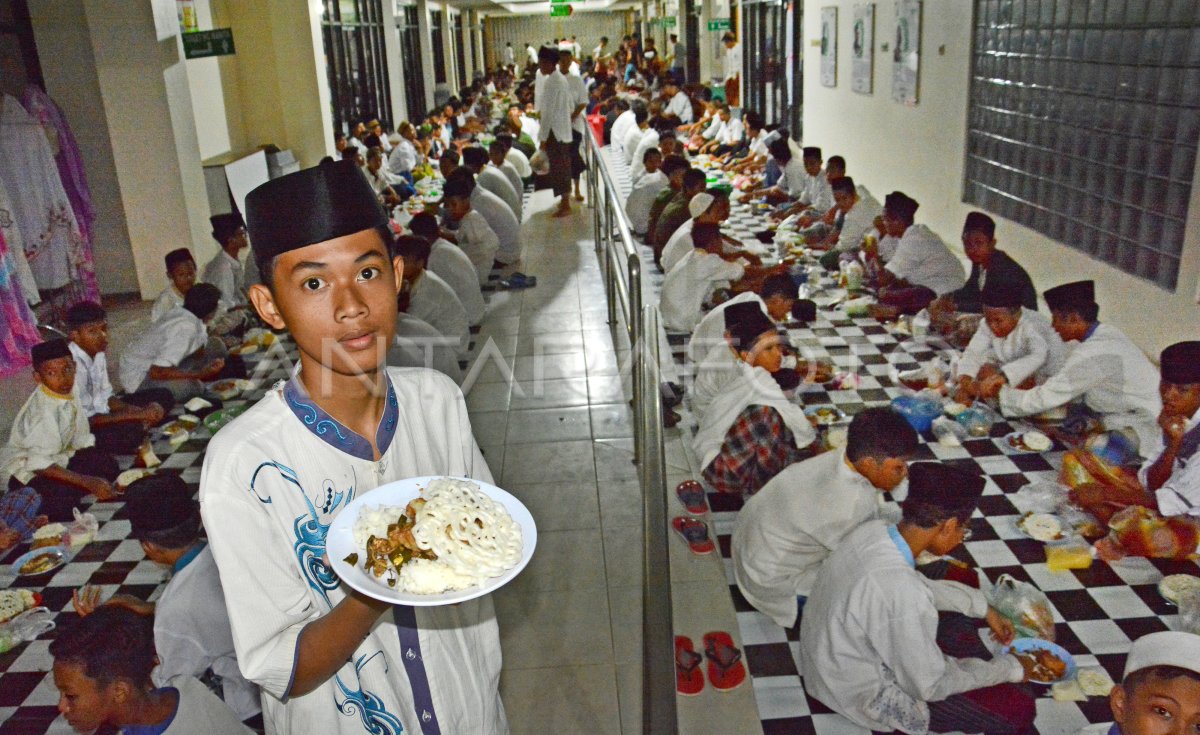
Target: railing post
(659, 713)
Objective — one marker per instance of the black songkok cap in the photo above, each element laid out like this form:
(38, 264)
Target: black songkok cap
(901, 205)
(1180, 363)
(980, 222)
(804, 310)
(309, 207)
(49, 350)
(811, 151)
(1000, 294)
(943, 486)
(158, 503)
(745, 322)
(225, 226)
(177, 256)
(85, 312)
(1068, 295)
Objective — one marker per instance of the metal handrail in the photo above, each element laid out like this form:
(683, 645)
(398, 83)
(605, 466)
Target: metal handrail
(623, 285)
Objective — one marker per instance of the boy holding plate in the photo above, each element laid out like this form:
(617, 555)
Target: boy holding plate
(327, 658)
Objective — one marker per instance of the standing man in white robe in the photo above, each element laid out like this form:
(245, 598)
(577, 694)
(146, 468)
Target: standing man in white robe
(327, 658)
(871, 644)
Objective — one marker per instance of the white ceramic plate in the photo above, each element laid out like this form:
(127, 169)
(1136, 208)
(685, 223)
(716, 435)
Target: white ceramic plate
(339, 543)
(1014, 442)
(1063, 529)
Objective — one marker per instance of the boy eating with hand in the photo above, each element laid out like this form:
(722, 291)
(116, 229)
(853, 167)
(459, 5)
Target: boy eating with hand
(327, 658)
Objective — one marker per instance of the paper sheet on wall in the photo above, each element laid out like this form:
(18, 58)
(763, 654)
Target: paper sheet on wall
(829, 47)
(862, 54)
(906, 53)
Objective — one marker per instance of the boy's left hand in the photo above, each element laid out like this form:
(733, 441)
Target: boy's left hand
(1002, 628)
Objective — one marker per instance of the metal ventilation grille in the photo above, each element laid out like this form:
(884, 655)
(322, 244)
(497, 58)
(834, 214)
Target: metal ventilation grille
(1083, 121)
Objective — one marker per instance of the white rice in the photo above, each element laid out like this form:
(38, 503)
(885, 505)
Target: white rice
(374, 522)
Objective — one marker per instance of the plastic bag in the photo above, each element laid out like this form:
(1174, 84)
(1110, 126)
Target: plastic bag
(1041, 497)
(1025, 605)
(83, 530)
(25, 627)
(540, 163)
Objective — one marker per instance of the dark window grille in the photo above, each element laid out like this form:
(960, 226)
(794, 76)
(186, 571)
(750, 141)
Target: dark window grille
(456, 38)
(352, 31)
(439, 50)
(1083, 122)
(764, 84)
(414, 72)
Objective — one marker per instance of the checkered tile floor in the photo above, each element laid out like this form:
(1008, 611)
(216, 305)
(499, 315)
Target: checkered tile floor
(1098, 611)
(28, 697)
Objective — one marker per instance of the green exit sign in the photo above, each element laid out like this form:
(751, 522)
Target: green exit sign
(719, 24)
(202, 44)
(560, 11)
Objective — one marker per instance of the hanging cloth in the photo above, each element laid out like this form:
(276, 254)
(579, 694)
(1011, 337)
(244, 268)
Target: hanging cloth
(18, 328)
(11, 233)
(53, 245)
(73, 176)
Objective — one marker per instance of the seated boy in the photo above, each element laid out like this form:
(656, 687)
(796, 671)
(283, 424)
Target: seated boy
(274, 479)
(857, 212)
(225, 269)
(417, 344)
(181, 271)
(785, 531)
(644, 191)
(921, 268)
(102, 668)
(430, 299)
(1169, 481)
(492, 208)
(703, 269)
(751, 430)
(491, 179)
(1160, 692)
(498, 159)
(191, 624)
(452, 264)
(708, 206)
(988, 265)
(675, 213)
(1013, 341)
(119, 423)
(175, 353)
(50, 447)
(816, 205)
(473, 235)
(1105, 368)
(871, 643)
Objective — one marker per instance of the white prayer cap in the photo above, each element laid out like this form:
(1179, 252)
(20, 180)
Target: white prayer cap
(1166, 648)
(700, 204)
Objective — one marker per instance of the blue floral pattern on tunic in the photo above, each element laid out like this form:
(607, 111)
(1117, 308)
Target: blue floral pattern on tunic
(309, 530)
(369, 707)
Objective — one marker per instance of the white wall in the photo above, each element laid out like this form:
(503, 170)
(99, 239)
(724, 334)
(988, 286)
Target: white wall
(921, 150)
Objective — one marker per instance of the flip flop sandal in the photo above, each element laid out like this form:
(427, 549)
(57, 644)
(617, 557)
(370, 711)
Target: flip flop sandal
(691, 494)
(689, 679)
(725, 668)
(517, 281)
(521, 277)
(695, 533)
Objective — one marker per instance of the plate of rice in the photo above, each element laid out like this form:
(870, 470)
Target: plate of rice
(429, 541)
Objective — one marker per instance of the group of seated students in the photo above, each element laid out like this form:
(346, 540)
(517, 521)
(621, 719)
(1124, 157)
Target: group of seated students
(810, 524)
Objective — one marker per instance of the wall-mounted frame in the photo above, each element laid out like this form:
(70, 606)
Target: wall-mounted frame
(862, 53)
(906, 51)
(829, 32)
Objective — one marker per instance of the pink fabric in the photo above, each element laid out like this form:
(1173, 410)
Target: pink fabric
(18, 328)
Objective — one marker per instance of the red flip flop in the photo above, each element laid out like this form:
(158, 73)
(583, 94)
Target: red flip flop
(691, 494)
(695, 533)
(725, 668)
(689, 679)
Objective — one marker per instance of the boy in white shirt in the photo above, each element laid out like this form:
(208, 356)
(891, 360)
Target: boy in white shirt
(645, 190)
(786, 530)
(1012, 340)
(473, 235)
(922, 267)
(702, 270)
(102, 668)
(175, 352)
(452, 264)
(632, 134)
(497, 156)
(516, 157)
(191, 624)
(181, 272)
(50, 447)
(118, 423)
(327, 658)
(225, 269)
(872, 644)
(475, 158)
(493, 209)
(431, 299)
